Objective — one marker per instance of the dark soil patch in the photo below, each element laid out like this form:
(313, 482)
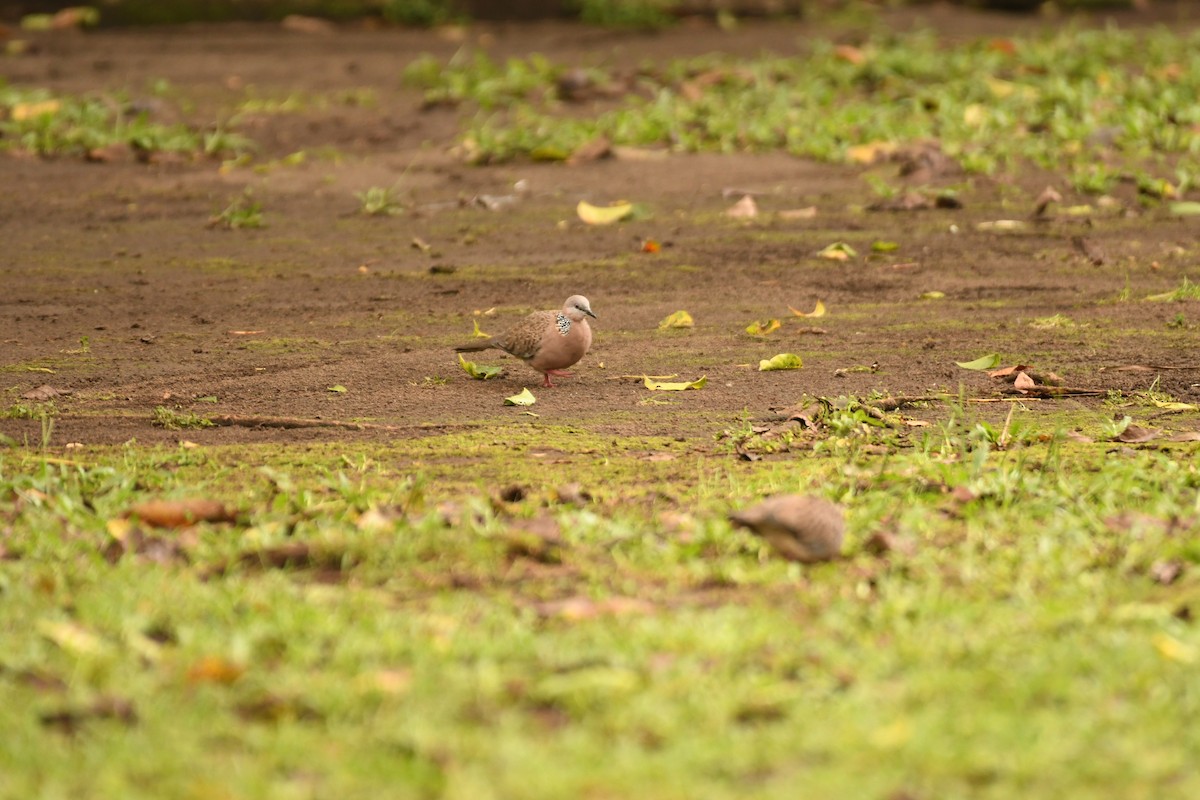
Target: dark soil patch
(119, 254)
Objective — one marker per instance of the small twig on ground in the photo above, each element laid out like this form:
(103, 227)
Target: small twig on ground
(1002, 442)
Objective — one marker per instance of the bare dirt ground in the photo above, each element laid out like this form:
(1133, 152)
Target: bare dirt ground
(114, 288)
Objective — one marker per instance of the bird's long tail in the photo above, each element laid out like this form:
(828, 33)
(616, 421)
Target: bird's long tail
(475, 347)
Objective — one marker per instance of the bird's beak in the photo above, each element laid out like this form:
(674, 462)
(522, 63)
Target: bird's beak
(588, 311)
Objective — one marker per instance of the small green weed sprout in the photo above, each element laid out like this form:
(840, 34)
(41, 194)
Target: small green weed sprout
(243, 212)
(378, 201)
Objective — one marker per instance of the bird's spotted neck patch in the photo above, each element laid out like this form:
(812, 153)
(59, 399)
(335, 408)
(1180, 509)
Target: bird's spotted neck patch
(564, 324)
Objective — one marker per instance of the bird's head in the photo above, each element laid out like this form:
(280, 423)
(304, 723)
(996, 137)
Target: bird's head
(577, 307)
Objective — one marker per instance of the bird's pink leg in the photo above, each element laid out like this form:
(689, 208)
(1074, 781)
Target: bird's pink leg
(546, 380)
(566, 372)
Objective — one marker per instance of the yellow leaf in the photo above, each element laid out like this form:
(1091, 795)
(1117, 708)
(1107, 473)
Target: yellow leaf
(893, 736)
(975, 115)
(525, 398)
(1002, 89)
(781, 361)
(990, 361)
(478, 334)
(72, 637)
(869, 153)
(933, 295)
(479, 372)
(656, 386)
(1173, 406)
(603, 215)
(818, 311)
(214, 669)
(680, 319)
(1172, 649)
(757, 328)
(838, 251)
(24, 111)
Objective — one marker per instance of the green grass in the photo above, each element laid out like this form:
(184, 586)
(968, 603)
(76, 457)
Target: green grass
(172, 420)
(1185, 291)
(417, 647)
(378, 201)
(1041, 103)
(48, 124)
(242, 212)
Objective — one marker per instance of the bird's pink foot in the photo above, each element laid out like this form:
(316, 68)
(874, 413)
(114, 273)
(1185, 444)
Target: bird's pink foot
(549, 372)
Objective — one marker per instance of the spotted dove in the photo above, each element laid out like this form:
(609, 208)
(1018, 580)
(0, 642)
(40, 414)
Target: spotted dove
(548, 341)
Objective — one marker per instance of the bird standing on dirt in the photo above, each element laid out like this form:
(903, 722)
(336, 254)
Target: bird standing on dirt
(548, 341)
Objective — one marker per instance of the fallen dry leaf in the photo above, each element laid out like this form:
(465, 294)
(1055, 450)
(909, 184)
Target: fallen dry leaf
(574, 494)
(181, 513)
(128, 538)
(603, 215)
(271, 707)
(909, 201)
(798, 213)
(850, 54)
(596, 149)
(757, 328)
(45, 392)
(108, 707)
(818, 311)
(838, 251)
(679, 319)
(881, 543)
(799, 527)
(72, 637)
(1172, 649)
(745, 208)
(1166, 572)
(214, 669)
(1090, 251)
(303, 24)
(575, 609)
(870, 152)
(537, 539)
(1135, 434)
(1044, 200)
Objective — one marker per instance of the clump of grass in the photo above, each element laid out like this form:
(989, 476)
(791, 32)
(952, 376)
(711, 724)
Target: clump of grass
(1185, 291)
(990, 108)
(29, 411)
(243, 212)
(379, 201)
(44, 413)
(49, 124)
(420, 13)
(639, 14)
(1055, 321)
(173, 420)
(346, 599)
